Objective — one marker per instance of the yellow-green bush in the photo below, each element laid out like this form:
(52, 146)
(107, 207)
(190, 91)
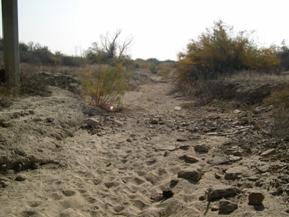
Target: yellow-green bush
(219, 51)
(105, 85)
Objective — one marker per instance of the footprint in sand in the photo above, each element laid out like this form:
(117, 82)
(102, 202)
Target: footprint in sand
(68, 193)
(70, 213)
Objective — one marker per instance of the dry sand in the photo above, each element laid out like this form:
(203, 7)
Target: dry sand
(123, 169)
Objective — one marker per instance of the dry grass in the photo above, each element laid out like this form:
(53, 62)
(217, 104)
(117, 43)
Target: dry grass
(104, 85)
(280, 100)
(253, 76)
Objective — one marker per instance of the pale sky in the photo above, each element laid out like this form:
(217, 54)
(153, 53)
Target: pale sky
(160, 28)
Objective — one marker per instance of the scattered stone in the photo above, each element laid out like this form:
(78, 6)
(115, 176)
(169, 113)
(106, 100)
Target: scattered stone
(173, 183)
(5, 124)
(91, 125)
(20, 178)
(184, 147)
(154, 121)
(156, 196)
(117, 122)
(30, 213)
(202, 198)
(181, 140)
(235, 172)
(50, 120)
(218, 176)
(201, 149)
(178, 108)
(222, 191)
(68, 193)
(192, 176)
(167, 194)
(214, 208)
(3, 183)
(253, 178)
(268, 152)
(118, 209)
(151, 162)
(226, 207)
(237, 111)
(234, 159)
(218, 160)
(92, 111)
(256, 198)
(188, 159)
(263, 168)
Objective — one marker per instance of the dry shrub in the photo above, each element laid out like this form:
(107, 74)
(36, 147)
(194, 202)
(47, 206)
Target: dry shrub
(280, 100)
(104, 85)
(31, 82)
(219, 51)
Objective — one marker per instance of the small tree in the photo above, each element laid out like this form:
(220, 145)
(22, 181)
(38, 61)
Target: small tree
(109, 50)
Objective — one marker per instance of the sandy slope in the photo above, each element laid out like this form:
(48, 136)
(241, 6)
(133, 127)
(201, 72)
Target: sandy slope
(123, 168)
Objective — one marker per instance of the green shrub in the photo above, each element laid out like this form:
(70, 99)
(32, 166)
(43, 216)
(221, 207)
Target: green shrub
(105, 85)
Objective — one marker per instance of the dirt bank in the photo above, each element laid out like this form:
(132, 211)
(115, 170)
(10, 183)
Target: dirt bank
(155, 158)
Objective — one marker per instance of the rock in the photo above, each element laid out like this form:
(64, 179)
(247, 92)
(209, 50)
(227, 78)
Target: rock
(178, 108)
(167, 194)
(3, 183)
(156, 196)
(259, 109)
(226, 207)
(237, 111)
(219, 160)
(188, 159)
(222, 191)
(218, 176)
(235, 172)
(68, 193)
(181, 140)
(50, 120)
(192, 176)
(5, 124)
(118, 208)
(256, 198)
(92, 111)
(154, 121)
(201, 149)
(173, 183)
(233, 158)
(214, 208)
(263, 168)
(119, 123)
(91, 124)
(184, 147)
(151, 162)
(202, 198)
(268, 152)
(20, 178)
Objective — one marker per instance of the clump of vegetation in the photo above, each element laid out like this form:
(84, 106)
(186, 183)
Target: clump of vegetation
(280, 101)
(104, 85)
(219, 51)
(283, 55)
